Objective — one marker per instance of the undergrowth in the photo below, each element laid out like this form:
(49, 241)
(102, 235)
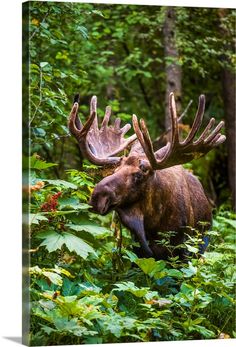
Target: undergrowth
(88, 286)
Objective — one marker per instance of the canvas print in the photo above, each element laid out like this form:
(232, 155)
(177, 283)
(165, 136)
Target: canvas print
(128, 173)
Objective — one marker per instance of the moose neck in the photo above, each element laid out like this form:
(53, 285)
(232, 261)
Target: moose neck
(167, 201)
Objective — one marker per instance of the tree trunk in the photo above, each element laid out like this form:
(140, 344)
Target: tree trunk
(173, 69)
(228, 93)
(228, 90)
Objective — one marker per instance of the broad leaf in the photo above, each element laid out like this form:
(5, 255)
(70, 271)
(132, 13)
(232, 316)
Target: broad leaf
(72, 203)
(192, 249)
(76, 244)
(38, 164)
(53, 277)
(130, 287)
(54, 241)
(175, 273)
(150, 266)
(91, 228)
(35, 218)
(228, 221)
(61, 183)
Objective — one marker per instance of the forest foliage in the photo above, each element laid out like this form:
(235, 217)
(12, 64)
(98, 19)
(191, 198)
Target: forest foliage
(86, 283)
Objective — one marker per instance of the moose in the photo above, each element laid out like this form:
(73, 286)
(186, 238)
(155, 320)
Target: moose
(150, 190)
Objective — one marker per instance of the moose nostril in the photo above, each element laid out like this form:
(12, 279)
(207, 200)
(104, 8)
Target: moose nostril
(99, 202)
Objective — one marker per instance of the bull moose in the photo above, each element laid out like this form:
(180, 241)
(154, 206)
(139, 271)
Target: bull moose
(150, 190)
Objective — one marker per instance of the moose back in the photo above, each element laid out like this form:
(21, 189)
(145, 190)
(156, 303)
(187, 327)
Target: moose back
(150, 190)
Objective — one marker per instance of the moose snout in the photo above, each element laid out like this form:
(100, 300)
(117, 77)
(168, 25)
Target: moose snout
(102, 201)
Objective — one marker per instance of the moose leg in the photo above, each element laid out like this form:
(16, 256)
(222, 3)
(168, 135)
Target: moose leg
(135, 224)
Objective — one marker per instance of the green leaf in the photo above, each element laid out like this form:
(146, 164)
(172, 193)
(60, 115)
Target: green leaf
(130, 255)
(198, 320)
(61, 183)
(186, 288)
(38, 164)
(130, 287)
(174, 273)
(69, 288)
(34, 68)
(147, 265)
(54, 241)
(72, 203)
(35, 218)
(91, 228)
(190, 271)
(43, 63)
(228, 221)
(192, 249)
(39, 132)
(53, 277)
(150, 266)
(83, 31)
(76, 244)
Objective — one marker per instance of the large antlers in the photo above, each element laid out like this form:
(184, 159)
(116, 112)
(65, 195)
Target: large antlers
(99, 146)
(179, 152)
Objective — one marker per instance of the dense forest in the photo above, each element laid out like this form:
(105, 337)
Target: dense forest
(87, 285)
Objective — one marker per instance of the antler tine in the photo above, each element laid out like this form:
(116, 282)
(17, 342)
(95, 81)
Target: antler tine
(154, 161)
(93, 111)
(106, 117)
(176, 152)
(197, 120)
(117, 123)
(158, 158)
(125, 129)
(148, 147)
(89, 123)
(218, 141)
(78, 122)
(146, 143)
(174, 120)
(122, 147)
(74, 125)
(205, 131)
(146, 135)
(144, 139)
(214, 133)
(138, 131)
(100, 146)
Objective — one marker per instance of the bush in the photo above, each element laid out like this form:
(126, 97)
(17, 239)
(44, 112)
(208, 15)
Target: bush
(87, 285)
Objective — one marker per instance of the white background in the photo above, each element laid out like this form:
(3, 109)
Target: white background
(10, 170)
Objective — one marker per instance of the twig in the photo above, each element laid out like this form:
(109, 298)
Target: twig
(182, 115)
(185, 111)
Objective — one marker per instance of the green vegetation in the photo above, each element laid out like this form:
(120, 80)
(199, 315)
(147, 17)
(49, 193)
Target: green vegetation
(86, 283)
(86, 288)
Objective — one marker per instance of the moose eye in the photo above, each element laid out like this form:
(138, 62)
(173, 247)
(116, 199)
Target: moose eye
(143, 167)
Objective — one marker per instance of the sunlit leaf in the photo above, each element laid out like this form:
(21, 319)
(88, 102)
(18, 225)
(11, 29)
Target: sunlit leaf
(38, 164)
(60, 183)
(54, 241)
(91, 228)
(35, 218)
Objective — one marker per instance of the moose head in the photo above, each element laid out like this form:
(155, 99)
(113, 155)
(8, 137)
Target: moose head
(149, 189)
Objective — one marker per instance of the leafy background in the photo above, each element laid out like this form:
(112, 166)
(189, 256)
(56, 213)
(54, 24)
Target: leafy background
(86, 283)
